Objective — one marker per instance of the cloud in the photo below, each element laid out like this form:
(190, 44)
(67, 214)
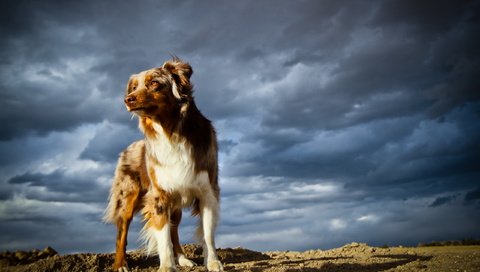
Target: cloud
(44, 98)
(379, 152)
(472, 196)
(337, 122)
(442, 201)
(109, 141)
(368, 218)
(42, 223)
(334, 219)
(45, 153)
(337, 224)
(275, 239)
(61, 186)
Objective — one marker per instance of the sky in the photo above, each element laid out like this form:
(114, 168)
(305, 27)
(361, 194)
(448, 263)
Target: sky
(338, 121)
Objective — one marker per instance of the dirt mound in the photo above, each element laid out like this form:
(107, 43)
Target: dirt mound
(351, 257)
(25, 257)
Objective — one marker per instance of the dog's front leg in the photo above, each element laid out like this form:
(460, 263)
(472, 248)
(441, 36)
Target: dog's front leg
(209, 212)
(175, 218)
(157, 212)
(165, 247)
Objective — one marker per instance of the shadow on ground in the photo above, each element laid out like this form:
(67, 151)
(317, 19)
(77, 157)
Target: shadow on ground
(339, 264)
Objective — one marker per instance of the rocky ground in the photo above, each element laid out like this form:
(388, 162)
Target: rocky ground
(351, 257)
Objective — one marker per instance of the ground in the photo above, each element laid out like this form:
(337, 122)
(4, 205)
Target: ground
(351, 257)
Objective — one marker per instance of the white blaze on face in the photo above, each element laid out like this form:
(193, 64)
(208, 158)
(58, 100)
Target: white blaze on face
(141, 80)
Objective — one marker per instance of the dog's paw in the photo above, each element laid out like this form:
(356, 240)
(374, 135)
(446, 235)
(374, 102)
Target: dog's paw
(167, 269)
(123, 269)
(214, 266)
(184, 261)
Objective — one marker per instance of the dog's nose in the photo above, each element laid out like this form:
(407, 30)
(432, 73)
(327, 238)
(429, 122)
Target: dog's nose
(130, 99)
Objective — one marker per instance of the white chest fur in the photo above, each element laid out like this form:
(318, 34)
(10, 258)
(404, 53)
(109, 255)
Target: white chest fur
(174, 167)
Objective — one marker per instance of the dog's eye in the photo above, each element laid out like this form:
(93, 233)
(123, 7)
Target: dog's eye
(155, 85)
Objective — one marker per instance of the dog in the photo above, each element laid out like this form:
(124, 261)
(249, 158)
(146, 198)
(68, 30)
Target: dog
(175, 166)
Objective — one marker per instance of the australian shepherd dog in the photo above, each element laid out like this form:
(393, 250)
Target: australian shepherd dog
(175, 166)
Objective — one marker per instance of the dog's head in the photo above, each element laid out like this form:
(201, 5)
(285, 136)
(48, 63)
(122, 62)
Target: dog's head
(160, 91)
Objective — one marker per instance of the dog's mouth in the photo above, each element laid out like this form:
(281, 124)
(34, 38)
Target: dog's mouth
(137, 109)
(133, 109)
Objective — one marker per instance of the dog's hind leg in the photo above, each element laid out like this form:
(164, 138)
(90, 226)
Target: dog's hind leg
(123, 223)
(175, 219)
(130, 184)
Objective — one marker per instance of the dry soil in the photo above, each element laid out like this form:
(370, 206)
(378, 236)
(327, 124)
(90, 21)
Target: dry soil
(351, 257)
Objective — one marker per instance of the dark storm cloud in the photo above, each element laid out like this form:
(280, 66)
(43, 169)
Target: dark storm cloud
(54, 69)
(334, 118)
(385, 73)
(442, 201)
(42, 223)
(109, 141)
(49, 93)
(390, 72)
(60, 186)
(472, 196)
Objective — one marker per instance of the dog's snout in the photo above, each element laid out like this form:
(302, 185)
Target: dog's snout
(130, 99)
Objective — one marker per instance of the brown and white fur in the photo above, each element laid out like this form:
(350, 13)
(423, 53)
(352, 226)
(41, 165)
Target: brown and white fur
(174, 167)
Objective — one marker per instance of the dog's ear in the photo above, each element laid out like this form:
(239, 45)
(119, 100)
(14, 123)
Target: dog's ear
(180, 70)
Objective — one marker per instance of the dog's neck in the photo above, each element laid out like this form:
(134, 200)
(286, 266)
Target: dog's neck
(172, 124)
(152, 129)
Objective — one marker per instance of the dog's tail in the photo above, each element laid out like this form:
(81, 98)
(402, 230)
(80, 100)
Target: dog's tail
(148, 240)
(116, 197)
(110, 215)
(124, 200)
